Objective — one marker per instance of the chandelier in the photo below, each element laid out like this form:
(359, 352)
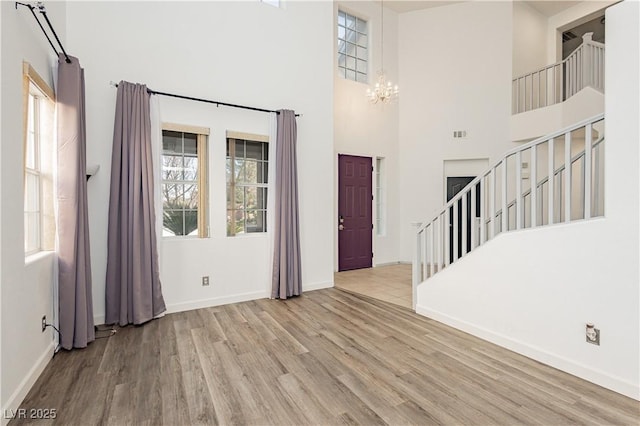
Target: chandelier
(383, 91)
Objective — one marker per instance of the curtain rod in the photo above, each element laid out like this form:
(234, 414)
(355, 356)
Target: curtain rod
(208, 101)
(43, 11)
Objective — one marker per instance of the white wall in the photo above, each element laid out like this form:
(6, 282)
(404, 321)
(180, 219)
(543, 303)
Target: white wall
(533, 291)
(455, 68)
(240, 52)
(27, 290)
(529, 39)
(362, 128)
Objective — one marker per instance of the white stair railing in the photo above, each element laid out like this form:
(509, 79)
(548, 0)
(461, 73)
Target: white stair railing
(553, 84)
(558, 178)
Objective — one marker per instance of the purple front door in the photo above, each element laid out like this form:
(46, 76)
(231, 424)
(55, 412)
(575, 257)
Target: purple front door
(355, 223)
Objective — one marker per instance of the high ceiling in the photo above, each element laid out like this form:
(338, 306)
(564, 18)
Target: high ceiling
(545, 7)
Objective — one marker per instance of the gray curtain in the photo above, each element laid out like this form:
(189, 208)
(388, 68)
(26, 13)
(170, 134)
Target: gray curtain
(287, 275)
(74, 261)
(133, 291)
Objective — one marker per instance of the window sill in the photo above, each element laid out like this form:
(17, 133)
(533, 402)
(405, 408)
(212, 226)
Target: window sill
(38, 257)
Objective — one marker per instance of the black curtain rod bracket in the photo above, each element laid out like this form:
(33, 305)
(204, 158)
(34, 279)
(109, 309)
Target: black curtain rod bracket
(216, 103)
(43, 11)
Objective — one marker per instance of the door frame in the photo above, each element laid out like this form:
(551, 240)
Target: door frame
(336, 213)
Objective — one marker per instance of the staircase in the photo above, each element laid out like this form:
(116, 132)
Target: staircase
(558, 178)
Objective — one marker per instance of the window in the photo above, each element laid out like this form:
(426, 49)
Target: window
(39, 223)
(247, 178)
(380, 198)
(352, 47)
(184, 181)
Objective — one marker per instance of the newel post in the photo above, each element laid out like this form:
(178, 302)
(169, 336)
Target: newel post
(416, 278)
(587, 63)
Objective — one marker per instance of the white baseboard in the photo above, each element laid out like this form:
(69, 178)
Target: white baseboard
(224, 300)
(598, 377)
(317, 286)
(13, 403)
(216, 301)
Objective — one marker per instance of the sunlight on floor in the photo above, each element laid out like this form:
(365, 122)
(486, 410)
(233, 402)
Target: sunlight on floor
(388, 283)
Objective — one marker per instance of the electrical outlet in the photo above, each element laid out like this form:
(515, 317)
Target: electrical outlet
(205, 281)
(44, 323)
(592, 334)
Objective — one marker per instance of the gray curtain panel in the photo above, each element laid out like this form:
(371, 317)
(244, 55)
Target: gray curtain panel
(133, 291)
(74, 260)
(287, 275)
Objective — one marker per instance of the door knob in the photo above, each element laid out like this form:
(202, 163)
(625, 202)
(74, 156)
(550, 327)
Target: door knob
(340, 227)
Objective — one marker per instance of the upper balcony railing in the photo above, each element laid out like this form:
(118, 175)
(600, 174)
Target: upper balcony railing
(558, 178)
(558, 82)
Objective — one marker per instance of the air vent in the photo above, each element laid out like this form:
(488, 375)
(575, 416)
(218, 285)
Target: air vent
(569, 35)
(459, 133)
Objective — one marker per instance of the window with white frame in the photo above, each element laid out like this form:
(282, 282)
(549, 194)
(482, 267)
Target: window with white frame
(39, 223)
(353, 53)
(184, 181)
(247, 179)
(380, 198)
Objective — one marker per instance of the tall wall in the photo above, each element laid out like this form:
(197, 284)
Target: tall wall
(365, 129)
(26, 285)
(533, 291)
(240, 52)
(456, 67)
(529, 34)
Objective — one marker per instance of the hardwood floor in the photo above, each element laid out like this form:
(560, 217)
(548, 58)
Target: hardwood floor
(327, 357)
(391, 283)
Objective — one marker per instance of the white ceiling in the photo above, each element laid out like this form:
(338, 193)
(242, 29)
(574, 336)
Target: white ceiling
(546, 7)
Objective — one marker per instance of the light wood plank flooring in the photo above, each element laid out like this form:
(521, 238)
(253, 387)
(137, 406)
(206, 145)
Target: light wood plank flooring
(327, 357)
(391, 283)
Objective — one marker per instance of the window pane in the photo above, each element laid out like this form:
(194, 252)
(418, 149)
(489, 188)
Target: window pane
(251, 171)
(342, 60)
(239, 149)
(361, 53)
(351, 63)
(190, 144)
(31, 232)
(351, 21)
(238, 220)
(362, 66)
(351, 75)
(239, 198)
(32, 193)
(361, 25)
(191, 196)
(351, 49)
(261, 201)
(190, 168)
(254, 221)
(362, 78)
(265, 151)
(254, 150)
(171, 142)
(31, 148)
(342, 47)
(228, 169)
(172, 222)
(342, 72)
(229, 198)
(351, 36)
(341, 18)
(261, 173)
(251, 198)
(362, 40)
(191, 222)
(341, 33)
(239, 170)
